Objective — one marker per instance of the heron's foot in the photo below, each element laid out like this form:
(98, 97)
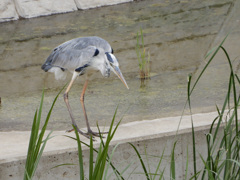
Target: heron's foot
(70, 130)
(97, 134)
(87, 135)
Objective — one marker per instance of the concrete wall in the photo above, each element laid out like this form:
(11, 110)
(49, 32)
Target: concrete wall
(15, 9)
(155, 136)
(122, 158)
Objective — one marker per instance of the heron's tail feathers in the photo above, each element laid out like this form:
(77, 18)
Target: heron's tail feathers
(46, 67)
(60, 74)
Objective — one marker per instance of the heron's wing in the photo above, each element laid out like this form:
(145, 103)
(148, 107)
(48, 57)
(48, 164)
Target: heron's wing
(70, 58)
(83, 42)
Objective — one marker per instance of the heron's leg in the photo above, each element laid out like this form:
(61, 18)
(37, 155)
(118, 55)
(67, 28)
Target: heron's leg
(84, 111)
(82, 103)
(68, 105)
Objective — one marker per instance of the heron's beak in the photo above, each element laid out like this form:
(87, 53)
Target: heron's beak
(117, 71)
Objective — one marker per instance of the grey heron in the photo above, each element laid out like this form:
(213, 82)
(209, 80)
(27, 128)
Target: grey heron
(81, 56)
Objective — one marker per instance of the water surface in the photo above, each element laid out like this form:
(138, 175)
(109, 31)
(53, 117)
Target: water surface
(177, 34)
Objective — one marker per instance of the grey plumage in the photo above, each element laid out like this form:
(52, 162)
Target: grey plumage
(78, 56)
(75, 53)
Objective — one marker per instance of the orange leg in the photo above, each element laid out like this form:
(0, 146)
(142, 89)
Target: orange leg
(84, 111)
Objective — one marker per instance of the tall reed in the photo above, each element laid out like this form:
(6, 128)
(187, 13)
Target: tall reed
(143, 57)
(223, 144)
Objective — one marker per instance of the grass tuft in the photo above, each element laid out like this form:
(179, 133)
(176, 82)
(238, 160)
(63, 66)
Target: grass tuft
(98, 169)
(36, 142)
(143, 57)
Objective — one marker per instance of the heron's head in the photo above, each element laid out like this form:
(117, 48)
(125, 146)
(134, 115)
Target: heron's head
(114, 66)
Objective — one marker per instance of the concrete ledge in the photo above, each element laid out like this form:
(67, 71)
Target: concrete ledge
(154, 134)
(15, 143)
(7, 11)
(29, 9)
(12, 10)
(85, 4)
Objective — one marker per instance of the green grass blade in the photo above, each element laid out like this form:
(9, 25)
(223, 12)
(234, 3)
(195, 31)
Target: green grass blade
(109, 161)
(209, 159)
(100, 165)
(41, 152)
(39, 114)
(38, 145)
(95, 150)
(186, 172)
(31, 158)
(161, 174)
(234, 161)
(148, 164)
(234, 90)
(98, 162)
(110, 134)
(194, 148)
(116, 127)
(172, 164)
(26, 174)
(91, 158)
(193, 132)
(159, 163)
(238, 80)
(125, 169)
(222, 110)
(142, 163)
(30, 161)
(210, 52)
(101, 159)
(235, 114)
(138, 51)
(210, 176)
(80, 159)
(209, 61)
(195, 176)
(131, 173)
(35, 142)
(142, 39)
(65, 164)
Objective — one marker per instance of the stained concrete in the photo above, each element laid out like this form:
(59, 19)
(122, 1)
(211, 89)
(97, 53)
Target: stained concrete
(13, 10)
(84, 4)
(8, 11)
(29, 9)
